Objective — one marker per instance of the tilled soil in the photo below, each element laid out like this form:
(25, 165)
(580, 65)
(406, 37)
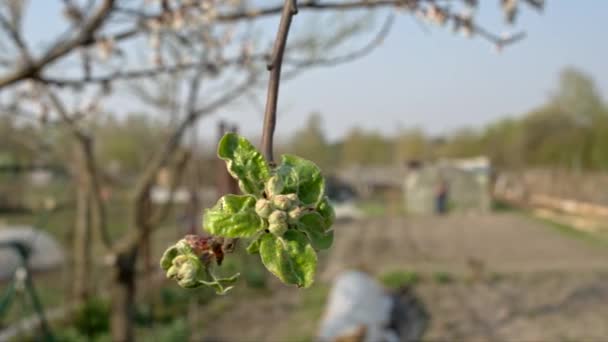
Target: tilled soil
(513, 279)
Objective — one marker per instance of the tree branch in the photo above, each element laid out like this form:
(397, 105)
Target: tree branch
(270, 116)
(57, 51)
(163, 156)
(86, 144)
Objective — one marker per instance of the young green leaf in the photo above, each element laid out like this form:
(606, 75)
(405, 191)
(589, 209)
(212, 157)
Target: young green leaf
(302, 177)
(233, 216)
(166, 261)
(291, 257)
(327, 212)
(244, 162)
(254, 247)
(313, 225)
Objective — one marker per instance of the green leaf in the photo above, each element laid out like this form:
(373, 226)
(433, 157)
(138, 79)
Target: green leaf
(327, 212)
(313, 225)
(254, 247)
(244, 163)
(291, 257)
(166, 261)
(302, 177)
(233, 216)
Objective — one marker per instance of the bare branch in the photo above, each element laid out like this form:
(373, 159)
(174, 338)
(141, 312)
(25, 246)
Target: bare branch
(349, 57)
(177, 175)
(164, 155)
(86, 36)
(85, 142)
(14, 33)
(270, 115)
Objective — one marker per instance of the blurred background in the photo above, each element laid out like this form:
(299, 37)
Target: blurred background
(464, 143)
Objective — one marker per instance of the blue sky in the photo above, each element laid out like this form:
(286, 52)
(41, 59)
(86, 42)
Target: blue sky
(435, 80)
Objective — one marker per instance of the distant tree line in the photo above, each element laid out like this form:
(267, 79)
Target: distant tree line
(569, 131)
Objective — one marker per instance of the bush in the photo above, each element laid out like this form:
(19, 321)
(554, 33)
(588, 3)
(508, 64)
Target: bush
(92, 318)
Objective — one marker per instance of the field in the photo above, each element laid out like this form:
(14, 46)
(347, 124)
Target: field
(500, 276)
(493, 277)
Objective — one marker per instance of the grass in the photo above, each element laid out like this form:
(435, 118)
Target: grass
(308, 311)
(443, 278)
(382, 206)
(372, 208)
(502, 206)
(397, 279)
(598, 239)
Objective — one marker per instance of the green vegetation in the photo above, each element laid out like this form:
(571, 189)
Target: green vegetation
(372, 208)
(443, 277)
(570, 131)
(283, 212)
(307, 313)
(598, 239)
(502, 206)
(396, 279)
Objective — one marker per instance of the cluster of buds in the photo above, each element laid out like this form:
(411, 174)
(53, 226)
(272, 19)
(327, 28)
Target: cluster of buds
(280, 210)
(189, 258)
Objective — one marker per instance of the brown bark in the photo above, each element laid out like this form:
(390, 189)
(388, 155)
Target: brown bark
(123, 293)
(82, 234)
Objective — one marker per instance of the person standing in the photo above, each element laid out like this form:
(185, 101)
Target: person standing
(441, 197)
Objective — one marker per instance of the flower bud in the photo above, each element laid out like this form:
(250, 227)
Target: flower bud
(277, 217)
(274, 186)
(294, 215)
(186, 270)
(293, 197)
(166, 261)
(282, 202)
(263, 208)
(278, 229)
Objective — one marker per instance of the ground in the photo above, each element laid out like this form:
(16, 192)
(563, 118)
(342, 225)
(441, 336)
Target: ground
(490, 277)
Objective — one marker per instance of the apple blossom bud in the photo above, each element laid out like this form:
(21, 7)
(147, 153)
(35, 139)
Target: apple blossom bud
(274, 186)
(278, 229)
(186, 270)
(282, 202)
(263, 208)
(277, 216)
(294, 215)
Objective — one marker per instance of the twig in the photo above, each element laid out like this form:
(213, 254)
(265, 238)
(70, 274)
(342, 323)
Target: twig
(86, 36)
(270, 115)
(85, 142)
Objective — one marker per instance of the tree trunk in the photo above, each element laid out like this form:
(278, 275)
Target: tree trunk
(82, 247)
(123, 296)
(82, 233)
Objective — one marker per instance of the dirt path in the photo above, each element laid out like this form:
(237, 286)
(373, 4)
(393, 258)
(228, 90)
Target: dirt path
(515, 279)
(500, 242)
